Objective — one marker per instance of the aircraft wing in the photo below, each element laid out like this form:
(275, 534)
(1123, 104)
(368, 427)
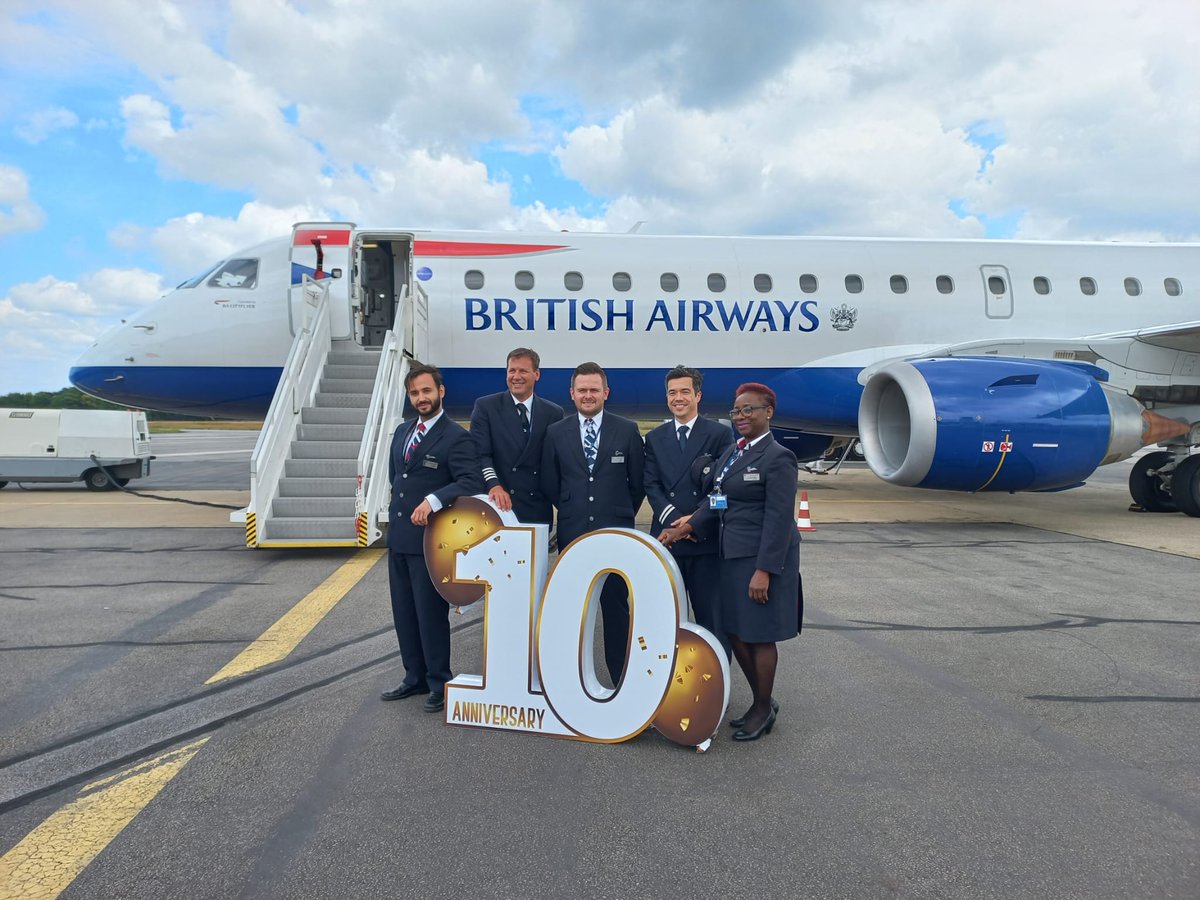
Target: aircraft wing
(1184, 337)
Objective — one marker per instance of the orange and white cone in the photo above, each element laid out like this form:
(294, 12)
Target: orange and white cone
(803, 521)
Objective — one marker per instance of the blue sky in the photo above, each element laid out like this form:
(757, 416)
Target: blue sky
(140, 141)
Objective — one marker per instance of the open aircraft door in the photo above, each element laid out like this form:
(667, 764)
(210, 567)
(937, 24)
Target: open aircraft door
(321, 250)
(386, 296)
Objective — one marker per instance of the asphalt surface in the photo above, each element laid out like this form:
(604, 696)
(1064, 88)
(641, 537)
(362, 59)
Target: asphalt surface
(974, 710)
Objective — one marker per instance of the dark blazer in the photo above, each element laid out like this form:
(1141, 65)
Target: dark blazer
(607, 497)
(758, 522)
(444, 464)
(674, 480)
(510, 458)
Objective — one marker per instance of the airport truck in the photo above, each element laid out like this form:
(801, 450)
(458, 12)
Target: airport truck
(94, 446)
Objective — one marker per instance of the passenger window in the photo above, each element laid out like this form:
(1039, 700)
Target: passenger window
(473, 279)
(1133, 287)
(573, 281)
(716, 282)
(523, 280)
(945, 284)
(236, 273)
(854, 284)
(1172, 286)
(622, 281)
(762, 283)
(1041, 284)
(1087, 286)
(669, 282)
(808, 284)
(996, 285)
(899, 284)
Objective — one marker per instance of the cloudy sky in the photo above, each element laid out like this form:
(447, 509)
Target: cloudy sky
(141, 140)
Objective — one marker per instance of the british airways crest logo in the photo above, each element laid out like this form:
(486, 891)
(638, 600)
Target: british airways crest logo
(843, 317)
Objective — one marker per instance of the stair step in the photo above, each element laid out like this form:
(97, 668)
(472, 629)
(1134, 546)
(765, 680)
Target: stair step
(353, 358)
(342, 400)
(325, 450)
(347, 386)
(311, 528)
(321, 468)
(334, 415)
(360, 373)
(330, 433)
(317, 487)
(313, 507)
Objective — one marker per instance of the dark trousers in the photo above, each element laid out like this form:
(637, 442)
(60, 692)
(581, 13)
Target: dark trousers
(702, 578)
(422, 626)
(614, 607)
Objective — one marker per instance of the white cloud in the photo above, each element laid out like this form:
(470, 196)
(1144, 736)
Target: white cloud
(17, 211)
(39, 125)
(106, 292)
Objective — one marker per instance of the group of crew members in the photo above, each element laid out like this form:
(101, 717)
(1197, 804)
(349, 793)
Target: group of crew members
(724, 507)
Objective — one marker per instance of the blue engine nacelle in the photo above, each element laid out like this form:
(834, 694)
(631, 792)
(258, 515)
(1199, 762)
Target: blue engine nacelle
(993, 424)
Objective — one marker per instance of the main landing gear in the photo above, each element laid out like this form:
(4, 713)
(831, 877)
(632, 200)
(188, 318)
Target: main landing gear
(1167, 481)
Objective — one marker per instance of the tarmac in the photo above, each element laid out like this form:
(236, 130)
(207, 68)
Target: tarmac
(993, 696)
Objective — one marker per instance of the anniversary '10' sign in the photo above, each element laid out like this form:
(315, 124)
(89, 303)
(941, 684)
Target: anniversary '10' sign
(539, 674)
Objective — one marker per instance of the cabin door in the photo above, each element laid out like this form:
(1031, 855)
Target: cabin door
(382, 278)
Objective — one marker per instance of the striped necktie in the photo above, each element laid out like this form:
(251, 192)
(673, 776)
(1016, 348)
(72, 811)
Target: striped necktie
(416, 439)
(589, 443)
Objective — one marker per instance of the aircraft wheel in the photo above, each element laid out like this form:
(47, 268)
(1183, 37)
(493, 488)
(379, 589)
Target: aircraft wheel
(96, 480)
(1148, 490)
(3, 484)
(1185, 487)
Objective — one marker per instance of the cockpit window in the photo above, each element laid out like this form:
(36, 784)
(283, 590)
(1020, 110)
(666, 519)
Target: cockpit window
(236, 273)
(196, 279)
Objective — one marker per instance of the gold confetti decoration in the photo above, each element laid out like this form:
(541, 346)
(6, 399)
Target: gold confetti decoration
(642, 642)
(662, 656)
(691, 711)
(453, 531)
(443, 545)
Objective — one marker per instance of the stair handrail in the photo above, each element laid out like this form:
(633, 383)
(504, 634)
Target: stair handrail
(372, 490)
(297, 386)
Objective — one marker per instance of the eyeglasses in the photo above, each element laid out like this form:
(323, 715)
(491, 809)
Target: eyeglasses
(744, 410)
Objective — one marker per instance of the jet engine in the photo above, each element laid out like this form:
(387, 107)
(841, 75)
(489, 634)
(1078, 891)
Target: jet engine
(996, 424)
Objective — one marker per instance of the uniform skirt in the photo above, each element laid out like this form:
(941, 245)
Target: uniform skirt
(779, 618)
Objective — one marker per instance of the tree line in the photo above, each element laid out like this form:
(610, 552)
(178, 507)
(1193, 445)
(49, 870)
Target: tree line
(73, 398)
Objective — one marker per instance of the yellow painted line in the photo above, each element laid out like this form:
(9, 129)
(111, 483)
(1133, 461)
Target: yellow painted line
(1003, 454)
(44, 864)
(281, 638)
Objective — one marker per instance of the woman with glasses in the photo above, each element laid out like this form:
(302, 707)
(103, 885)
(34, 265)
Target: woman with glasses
(752, 499)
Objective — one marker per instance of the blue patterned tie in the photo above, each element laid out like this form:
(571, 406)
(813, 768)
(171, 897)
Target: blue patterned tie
(589, 444)
(416, 439)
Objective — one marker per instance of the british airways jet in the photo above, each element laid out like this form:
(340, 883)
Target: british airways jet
(965, 365)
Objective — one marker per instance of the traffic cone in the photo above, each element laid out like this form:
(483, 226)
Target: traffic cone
(803, 521)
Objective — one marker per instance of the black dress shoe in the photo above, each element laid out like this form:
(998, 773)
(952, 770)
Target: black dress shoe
(741, 720)
(404, 690)
(765, 728)
(435, 703)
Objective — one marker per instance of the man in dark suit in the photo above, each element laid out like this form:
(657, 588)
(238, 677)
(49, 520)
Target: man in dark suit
(509, 429)
(433, 461)
(677, 453)
(592, 470)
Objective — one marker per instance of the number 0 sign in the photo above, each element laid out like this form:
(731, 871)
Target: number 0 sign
(539, 674)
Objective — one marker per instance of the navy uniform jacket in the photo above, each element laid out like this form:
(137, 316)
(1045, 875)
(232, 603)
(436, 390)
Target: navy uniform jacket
(674, 478)
(758, 522)
(443, 464)
(607, 497)
(509, 459)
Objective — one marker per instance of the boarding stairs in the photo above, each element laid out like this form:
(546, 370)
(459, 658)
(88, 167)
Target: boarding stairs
(318, 474)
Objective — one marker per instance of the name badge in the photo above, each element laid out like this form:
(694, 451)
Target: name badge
(619, 459)
(751, 476)
(429, 463)
(718, 501)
